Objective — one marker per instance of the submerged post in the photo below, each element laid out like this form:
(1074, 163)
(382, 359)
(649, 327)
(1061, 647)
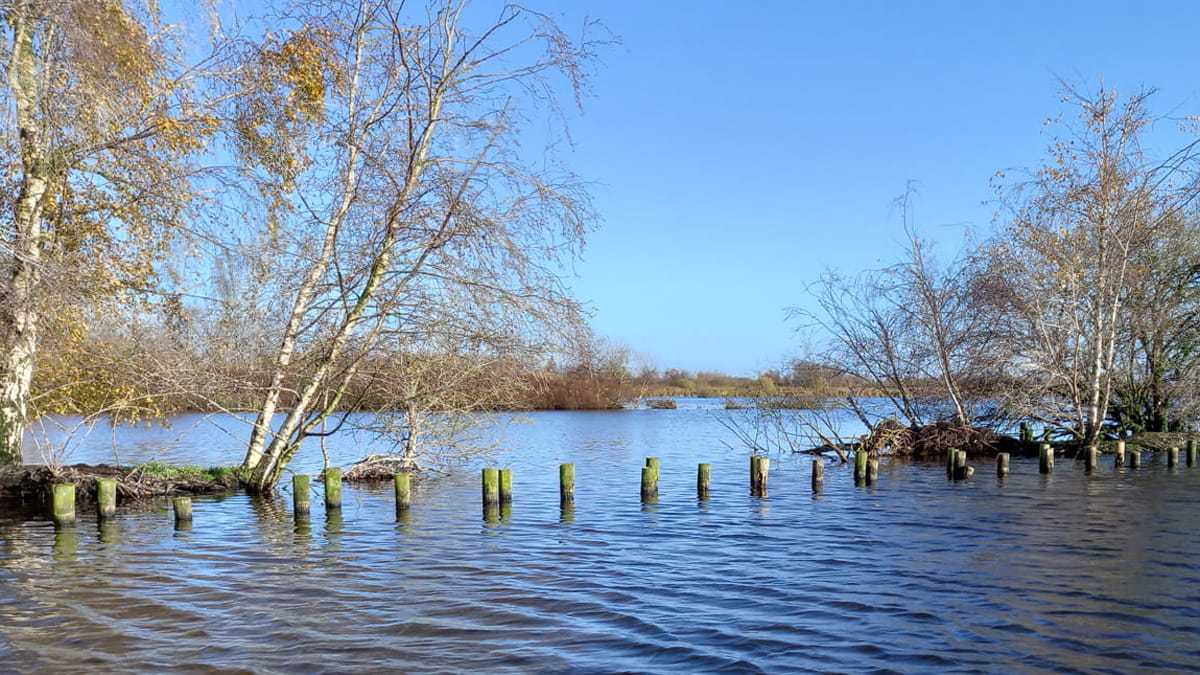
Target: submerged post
(300, 496)
(491, 486)
(566, 484)
(962, 470)
(62, 503)
(106, 497)
(872, 471)
(703, 476)
(1191, 452)
(1092, 460)
(1119, 454)
(1135, 459)
(760, 468)
(1002, 464)
(333, 489)
(818, 474)
(403, 487)
(506, 477)
(1045, 458)
(1172, 457)
(183, 509)
(649, 482)
(860, 464)
(951, 461)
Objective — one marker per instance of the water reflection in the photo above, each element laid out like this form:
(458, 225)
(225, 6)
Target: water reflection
(491, 513)
(66, 543)
(334, 523)
(302, 528)
(108, 532)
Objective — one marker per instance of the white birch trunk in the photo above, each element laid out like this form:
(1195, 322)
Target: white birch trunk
(21, 312)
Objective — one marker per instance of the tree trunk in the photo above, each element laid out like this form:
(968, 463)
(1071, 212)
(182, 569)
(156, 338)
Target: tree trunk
(21, 318)
(412, 434)
(19, 312)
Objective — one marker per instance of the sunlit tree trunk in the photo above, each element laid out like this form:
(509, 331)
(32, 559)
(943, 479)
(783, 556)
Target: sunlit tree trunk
(19, 312)
(100, 119)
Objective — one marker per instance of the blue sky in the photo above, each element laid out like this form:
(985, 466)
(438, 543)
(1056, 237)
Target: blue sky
(737, 150)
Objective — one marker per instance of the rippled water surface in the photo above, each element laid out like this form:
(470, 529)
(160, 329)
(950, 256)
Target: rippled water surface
(1066, 573)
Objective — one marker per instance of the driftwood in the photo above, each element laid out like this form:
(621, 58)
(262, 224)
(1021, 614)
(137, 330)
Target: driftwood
(1160, 441)
(378, 468)
(931, 441)
(31, 484)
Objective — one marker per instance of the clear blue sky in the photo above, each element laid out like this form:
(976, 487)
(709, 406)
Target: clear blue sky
(739, 149)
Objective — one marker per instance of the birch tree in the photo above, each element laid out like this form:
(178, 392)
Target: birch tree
(385, 138)
(1065, 270)
(97, 115)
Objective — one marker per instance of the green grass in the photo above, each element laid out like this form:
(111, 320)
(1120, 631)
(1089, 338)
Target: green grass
(212, 474)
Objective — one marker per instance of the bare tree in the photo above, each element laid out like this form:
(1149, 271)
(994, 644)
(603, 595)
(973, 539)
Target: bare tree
(906, 334)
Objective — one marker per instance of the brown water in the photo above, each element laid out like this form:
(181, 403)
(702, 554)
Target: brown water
(1066, 573)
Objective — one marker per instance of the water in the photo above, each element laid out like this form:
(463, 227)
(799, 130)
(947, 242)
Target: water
(1065, 573)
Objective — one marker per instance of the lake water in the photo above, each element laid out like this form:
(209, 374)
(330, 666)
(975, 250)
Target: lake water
(1062, 573)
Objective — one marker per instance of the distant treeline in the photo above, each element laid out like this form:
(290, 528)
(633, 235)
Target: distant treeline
(134, 372)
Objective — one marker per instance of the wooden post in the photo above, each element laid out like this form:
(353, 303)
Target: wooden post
(333, 489)
(506, 477)
(1026, 433)
(1135, 459)
(491, 487)
(703, 477)
(1092, 459)
(300, 495)
(1002, 464)
(962, 471)
(760, 468)
(652, 462)
(1045, 458)
(1172, 457)
(872, 471)
(649, 482)
(403, 486)
(62, 503)
(106, 497)
(818, 474)
(566, 484)
(1191, 452)
(951, 461)
(860, 464)
(183, 509)
(1119, 454)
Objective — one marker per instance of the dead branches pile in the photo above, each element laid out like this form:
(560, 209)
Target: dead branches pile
(379, 468)
(931, 441)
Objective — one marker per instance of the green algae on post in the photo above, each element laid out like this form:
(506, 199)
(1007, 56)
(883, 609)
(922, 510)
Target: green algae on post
(106, 497)
(300, 498)
(62, 503)
(333, 489)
